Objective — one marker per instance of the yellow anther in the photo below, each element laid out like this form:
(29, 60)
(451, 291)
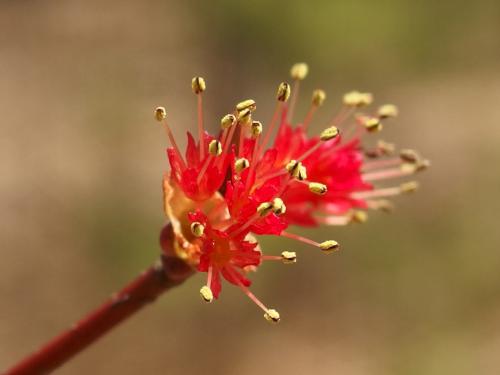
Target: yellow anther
(284, 92)
(409, 156)
(241, 164)
(318, 97)
(256, 128)
(272, 316)
(329, 133)
(160, 113)
(317, 188)
(198, 85)
(301, 173)
(357, 99)
(366, 98)
(386, 148)
(265, 208)
(206, 294)
(408, 168)
(289, 257)
(383, 205)
(245, 117)
(388, 110)
(246, 104)
(422, 165)
(197, 229)
(293, 166)
(373, 124)
(329, 246)
(359, 217)
(299, 71)
(215, 147)
(227, 121)
(409, 187)
(279, 207)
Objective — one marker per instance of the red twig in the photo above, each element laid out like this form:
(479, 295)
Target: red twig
(168, 273)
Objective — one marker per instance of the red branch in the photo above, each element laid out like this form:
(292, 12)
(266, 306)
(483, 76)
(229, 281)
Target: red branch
(168, 273)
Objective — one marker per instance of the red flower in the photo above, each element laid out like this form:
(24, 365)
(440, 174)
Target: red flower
(299, 180)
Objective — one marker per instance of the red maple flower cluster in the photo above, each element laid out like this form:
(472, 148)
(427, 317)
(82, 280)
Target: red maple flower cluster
(228, 188)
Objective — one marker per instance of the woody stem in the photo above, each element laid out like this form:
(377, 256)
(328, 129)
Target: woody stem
(150, 284)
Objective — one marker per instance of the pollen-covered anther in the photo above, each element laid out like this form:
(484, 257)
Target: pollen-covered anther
(245, 116)
(318, 98)
(264, 208)
(197, 229)
(383, 205)
(329, 133)
(160, 113)
(284, 92)
(279, 207)
(256, 128)
(299, 71)
(409, 187)
(386, 148)
(246, 104)
(357, 99)
(329, 246)
(409, 156)
(198, 85)
(292, 167)
(318, 188)
(387, 111)
(241, 164)
(206, 294)
(359, 217)
(289, 257)
(227, 121)
(373, 124)
(422, 165)
(272, 316)
(301, 173)
(215, 147)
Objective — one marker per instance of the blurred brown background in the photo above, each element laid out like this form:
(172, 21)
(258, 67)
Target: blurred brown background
(81, 160)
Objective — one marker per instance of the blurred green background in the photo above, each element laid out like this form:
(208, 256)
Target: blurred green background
(81, 161)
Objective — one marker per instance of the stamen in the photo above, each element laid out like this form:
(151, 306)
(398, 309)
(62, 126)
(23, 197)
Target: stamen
(409, 156)
(326, 246)
(161, 116)
(199, 86)
(256, 128)
(241, 164)
(284, 92)
(404, 170)
(272, 316)
(357, 99)
(318, 188)
(206, 294)
(318, 99)
(383, 205)
(289, 257)
(368, 166)
(359, 217)
(264, 208)
(215, 147)
(279, 207)
(387, 111)
(246, 104)
(269, 314)
(372, 124)
(407, 187)
(227, 121)
(197, 229)
(298, 72)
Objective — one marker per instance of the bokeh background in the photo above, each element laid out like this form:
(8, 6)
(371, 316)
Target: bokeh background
(81, 159)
